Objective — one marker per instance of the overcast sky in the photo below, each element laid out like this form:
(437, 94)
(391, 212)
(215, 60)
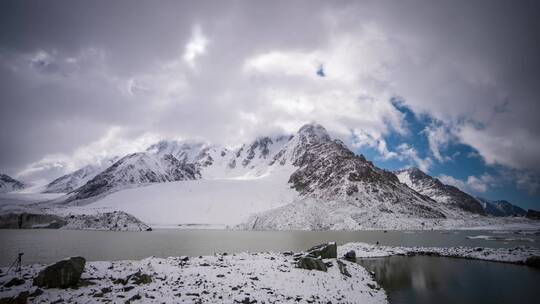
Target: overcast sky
(406, 82)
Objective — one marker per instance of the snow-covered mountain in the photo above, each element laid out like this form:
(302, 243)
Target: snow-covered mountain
(431, 187)
(328, 170)
(8, 184)
(501, 208)
(248, 160)
(306, 180)
(136, 169)
(77, 178)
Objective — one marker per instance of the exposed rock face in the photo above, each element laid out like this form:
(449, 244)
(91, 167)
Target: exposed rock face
(324, 251)
(328, 170)
(310, 263)
(116, 220)
(441, 193)
(30, 220)
(8, 184)
(63, 274)
(501, 208)
(136, 168)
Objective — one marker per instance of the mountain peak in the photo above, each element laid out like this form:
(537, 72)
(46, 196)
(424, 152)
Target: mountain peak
(314, 132)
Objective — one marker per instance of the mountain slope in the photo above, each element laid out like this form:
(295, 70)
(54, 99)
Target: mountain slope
(328, 170)
(136, 169)
(441, 193)
(8, 184)
(77, 178)
(501, 208)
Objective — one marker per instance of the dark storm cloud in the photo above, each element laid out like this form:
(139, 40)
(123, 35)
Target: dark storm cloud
(74, 74)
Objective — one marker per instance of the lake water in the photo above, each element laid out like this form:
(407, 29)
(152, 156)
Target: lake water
(46, 246)
(424, 279)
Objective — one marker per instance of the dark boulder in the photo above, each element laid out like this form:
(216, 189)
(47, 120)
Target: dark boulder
(533, 261)
(140, 278)
(350, 256)
(63, 274)
(310, 263)
(324, 251)
(533, 214)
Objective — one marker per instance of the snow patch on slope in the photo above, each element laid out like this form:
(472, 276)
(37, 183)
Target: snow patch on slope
(224, 202)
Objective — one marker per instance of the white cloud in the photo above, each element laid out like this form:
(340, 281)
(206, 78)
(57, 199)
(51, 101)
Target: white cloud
(473, 183)
(407, 152)
(196, 46)
(438, 137)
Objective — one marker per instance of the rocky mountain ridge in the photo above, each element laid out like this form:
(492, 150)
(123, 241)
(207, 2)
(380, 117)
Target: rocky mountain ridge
(8, 184)
(447, 195)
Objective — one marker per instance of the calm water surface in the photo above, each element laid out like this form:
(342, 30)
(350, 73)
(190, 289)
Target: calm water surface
(424, 279)
(45, 246)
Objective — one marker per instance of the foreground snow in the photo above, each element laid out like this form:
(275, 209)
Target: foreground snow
(241, 278)
(516, 255)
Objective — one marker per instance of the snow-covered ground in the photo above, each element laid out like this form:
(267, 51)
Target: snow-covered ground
(241, 278)
(202, 203)
(310, 214)
(517, 255)
(23, 201)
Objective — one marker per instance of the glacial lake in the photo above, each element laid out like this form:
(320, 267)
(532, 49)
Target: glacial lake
(426, 279)
(46, 245)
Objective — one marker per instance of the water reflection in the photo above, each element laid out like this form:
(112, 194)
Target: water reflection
(424, 279)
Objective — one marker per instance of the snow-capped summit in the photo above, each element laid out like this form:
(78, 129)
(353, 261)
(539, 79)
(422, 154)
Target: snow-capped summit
(445, 194)
(135, 169)
(8, 184)
(501, 208)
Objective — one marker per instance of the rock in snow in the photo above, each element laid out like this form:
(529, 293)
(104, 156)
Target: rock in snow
(63, 274)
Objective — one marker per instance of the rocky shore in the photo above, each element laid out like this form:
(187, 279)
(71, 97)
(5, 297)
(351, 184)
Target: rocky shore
(315, 276)
(525, 255)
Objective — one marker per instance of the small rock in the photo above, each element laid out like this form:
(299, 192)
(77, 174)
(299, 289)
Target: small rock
(134, 298)
(14, 282)
(343, 268)
(36, 293)
(350, 256)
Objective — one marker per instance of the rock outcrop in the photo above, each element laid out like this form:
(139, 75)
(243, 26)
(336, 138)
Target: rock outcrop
(63, 274)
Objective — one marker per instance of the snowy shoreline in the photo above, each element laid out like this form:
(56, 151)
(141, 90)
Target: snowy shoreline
(236, 278)
(246, 277)
(515, 255)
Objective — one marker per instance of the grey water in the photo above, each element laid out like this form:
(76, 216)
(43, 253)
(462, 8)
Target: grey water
(425, 279)
(46, 246)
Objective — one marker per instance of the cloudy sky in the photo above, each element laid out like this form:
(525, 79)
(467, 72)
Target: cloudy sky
(450, 87)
